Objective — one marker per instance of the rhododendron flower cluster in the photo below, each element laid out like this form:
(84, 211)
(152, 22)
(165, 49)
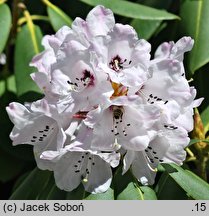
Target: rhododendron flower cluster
(106, 101)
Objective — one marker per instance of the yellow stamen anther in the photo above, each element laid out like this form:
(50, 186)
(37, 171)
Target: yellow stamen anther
(119, 90)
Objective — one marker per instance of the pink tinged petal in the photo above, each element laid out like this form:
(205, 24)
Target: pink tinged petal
(18, 114)
(183, 45)
(100, 20)
(171, 50)
(164, 50)
(82, 32)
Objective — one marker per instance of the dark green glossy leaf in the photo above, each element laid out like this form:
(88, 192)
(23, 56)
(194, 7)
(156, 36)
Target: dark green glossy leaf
(168, 189)
(133, 10)
(28, 43)
(126, 187)
(58, 18)
(77, 194)
(56, 194)
(145, 28)
(195, 19)
(194, 186)
(23, 152)
(19, 181)
(10, 166)
(5, 24)
(148, 193)
(51, 192)
(9, 83)
(108, 195)
(32, 187)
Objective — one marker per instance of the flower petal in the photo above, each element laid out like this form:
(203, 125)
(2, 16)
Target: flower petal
(100, 177)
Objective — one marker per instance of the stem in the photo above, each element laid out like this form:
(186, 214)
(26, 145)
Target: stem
(32, 30)
(22, 20)
(202, 167)
(15, 15)
(201, 162)
(190, 153)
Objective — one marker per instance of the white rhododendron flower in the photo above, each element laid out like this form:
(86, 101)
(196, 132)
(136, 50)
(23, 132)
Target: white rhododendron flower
(106, 100)
(77, 162)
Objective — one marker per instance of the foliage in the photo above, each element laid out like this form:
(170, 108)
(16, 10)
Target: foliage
(22, 27)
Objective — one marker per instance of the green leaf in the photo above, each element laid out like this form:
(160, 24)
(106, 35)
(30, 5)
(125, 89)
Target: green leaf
(19, 181)
(51, 192)
(23, 152)
(32, 187)
(205, 119)
(195, 19)
(145, 28)
(10, 166)
(28, 43)
(108, 195)
(168, 189)
(148, 193)
(133, 10)
(194, 186)
(5, 24)
(56, 194)
(126, 187)
(9, 83)
(57, 17)
(193, 141)
(77, 194)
